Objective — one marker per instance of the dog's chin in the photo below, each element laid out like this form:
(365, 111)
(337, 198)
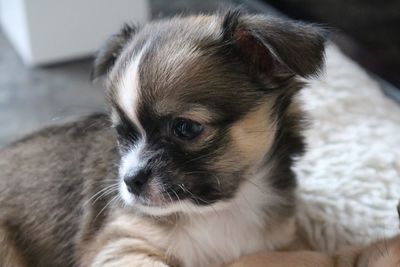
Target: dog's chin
(155, 205)
(183, 207)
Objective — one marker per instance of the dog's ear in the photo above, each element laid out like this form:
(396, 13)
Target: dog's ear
(273, 46)
(110, 51)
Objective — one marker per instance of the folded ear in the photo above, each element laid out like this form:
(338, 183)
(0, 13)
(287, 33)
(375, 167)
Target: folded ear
(273, 46)
(109, 52)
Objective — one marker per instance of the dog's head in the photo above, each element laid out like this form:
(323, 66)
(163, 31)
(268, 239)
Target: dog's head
(199, 107)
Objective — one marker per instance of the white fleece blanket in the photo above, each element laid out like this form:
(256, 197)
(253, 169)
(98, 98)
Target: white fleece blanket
(350, 176)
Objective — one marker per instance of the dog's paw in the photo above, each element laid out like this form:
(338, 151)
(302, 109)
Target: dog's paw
(137, 263)
(104, 259)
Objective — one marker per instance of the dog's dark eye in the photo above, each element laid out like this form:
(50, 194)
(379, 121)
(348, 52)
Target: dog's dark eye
(186, 129)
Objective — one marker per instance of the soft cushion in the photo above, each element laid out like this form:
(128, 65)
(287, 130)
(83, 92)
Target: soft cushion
(350, 177)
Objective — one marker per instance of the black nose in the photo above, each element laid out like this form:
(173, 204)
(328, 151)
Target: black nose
(137, 182)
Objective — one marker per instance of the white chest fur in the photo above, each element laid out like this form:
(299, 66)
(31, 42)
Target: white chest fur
(214, 241)
(222, 236)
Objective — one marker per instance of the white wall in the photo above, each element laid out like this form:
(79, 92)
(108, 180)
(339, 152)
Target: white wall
(50, 31)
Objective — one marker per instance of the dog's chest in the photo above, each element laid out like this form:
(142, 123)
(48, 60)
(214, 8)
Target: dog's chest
(216, 239)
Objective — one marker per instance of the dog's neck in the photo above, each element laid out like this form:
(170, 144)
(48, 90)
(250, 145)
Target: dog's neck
(249, 223)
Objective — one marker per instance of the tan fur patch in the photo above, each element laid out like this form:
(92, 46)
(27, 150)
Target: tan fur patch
(199, 114)
(253, 134)
(196, 113)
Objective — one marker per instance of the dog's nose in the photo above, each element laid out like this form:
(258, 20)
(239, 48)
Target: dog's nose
(137, 182)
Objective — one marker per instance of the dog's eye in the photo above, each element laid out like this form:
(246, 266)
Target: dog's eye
(186, 129)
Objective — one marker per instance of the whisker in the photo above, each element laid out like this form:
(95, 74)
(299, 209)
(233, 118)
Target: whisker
(196, 198)
(178, 198)
(99, 193)
(254, 184)
(108, 204)
(200, 157)
(108, 192)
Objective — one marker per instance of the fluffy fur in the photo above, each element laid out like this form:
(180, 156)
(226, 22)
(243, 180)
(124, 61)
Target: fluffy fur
(136, 191)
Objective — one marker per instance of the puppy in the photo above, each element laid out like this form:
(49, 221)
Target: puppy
(192, 166)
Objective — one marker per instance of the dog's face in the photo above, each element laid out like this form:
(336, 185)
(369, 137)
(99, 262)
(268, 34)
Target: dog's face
(196, 104)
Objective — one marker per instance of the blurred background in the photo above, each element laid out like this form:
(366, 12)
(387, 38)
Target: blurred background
(46, 47)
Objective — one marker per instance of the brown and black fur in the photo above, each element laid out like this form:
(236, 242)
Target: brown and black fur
(235, 62)
(48, 179)
(42, 201)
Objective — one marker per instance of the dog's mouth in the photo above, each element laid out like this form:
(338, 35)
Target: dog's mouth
(153, 195)
(157, 201)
